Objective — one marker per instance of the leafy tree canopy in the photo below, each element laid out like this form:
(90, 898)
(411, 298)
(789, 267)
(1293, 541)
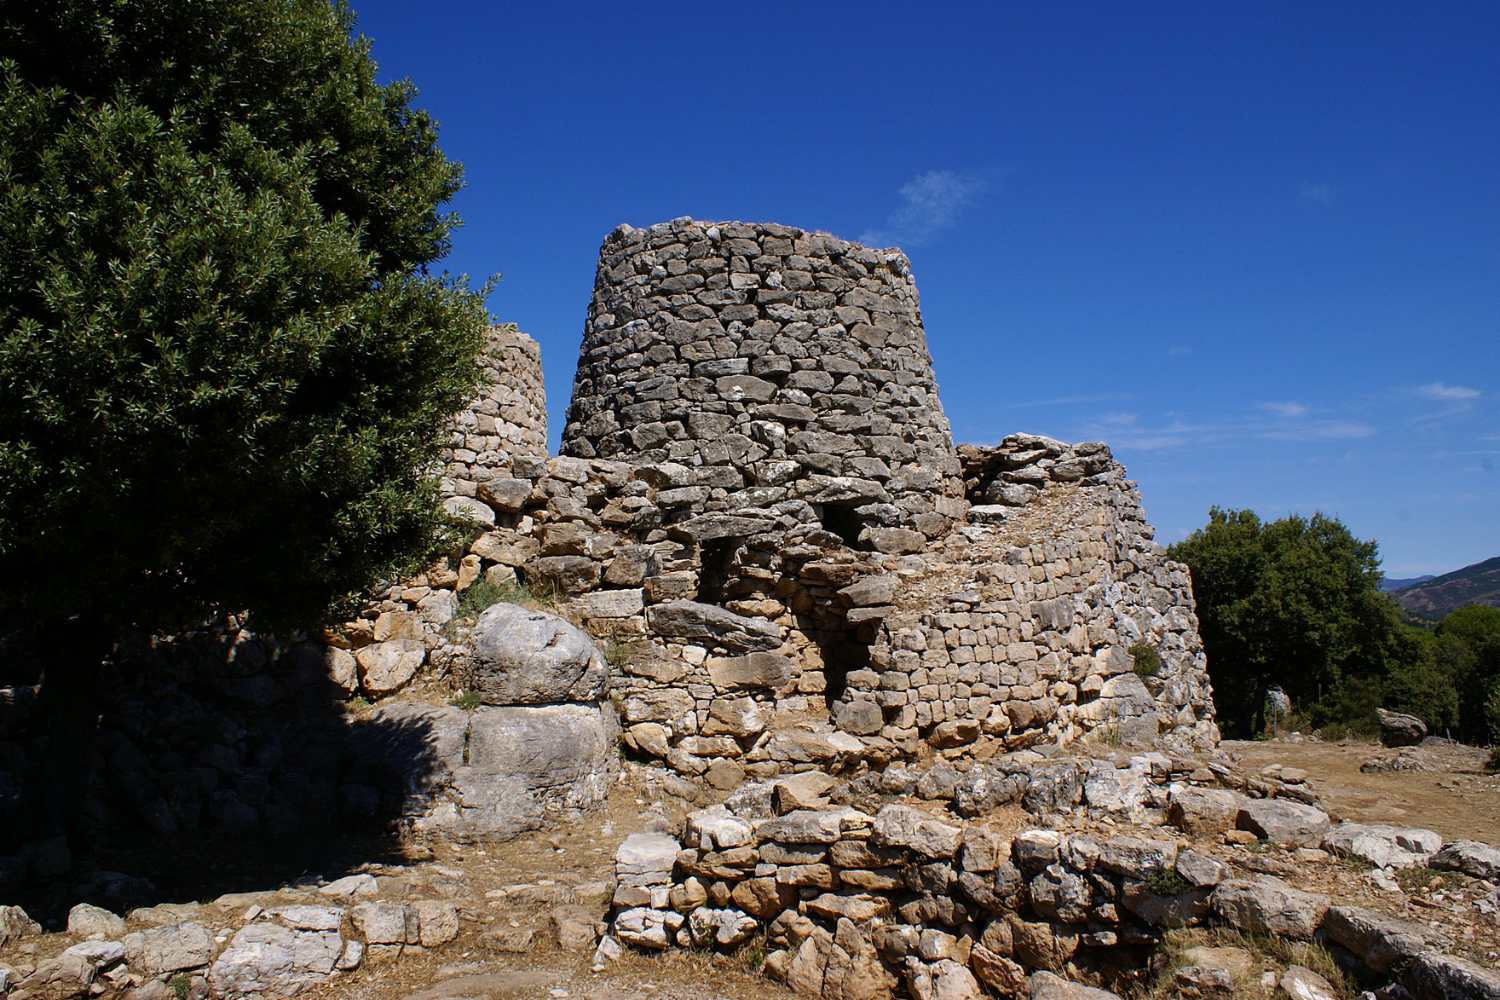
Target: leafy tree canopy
(224, 365)
(1295, 603)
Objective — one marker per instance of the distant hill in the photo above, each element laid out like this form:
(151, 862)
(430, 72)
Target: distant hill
(1434, 598)
(1388, 584)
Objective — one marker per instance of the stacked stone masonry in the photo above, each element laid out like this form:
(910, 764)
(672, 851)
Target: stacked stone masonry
(780, 546)
(509, 418)
(864, 891)
(760, 356)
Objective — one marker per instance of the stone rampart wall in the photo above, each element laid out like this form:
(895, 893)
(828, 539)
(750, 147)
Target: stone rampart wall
(1022, 626)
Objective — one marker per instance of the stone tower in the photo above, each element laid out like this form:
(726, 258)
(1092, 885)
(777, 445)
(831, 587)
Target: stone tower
(772, 360)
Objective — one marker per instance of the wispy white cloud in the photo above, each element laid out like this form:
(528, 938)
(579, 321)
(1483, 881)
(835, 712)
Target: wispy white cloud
(1448, 393)
(1183, 433)
(1323, 430)
(930, 203)
(1285, 408)
(1317, 192)
(1070, 401)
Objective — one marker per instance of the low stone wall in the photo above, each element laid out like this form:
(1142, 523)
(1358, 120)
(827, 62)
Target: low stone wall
(900, 900)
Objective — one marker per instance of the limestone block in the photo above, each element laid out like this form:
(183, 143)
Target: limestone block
(525, 657)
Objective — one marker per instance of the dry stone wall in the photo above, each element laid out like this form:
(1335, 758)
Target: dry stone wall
(507, 419)
(762, 355)
(1021, 626)
(865, 891)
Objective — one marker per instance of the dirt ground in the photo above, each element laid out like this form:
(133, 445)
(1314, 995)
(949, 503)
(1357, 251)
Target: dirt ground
(1456, 797)
(507, 893)
(515, 886)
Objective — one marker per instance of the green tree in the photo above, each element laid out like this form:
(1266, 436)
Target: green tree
(224, 364)
(1293, 603)
(1471, 640)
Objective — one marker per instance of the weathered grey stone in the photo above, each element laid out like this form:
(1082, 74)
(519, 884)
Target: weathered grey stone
(1266, 905)
(1284, 822)
(610, 603)
(870, 590)
(705, 622)
(524, 657)
(647, 855)
(1379, 941)
(386, 923)
(1202, 810)
(437, 922)
(752, 670)
(85, 920)
(389, 666)
(1397, 729)
(1444, 977)
(903, 826)
(268, 959)
(469, 510)
(1383, 846)
(739, 717)
(809, 826)
(1301, 983)
(361, 884)
(1047, 986)
(1469, 857)
(646, 928)
(172, 948)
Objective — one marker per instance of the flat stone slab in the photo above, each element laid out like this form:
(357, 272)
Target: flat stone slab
(1383, 846)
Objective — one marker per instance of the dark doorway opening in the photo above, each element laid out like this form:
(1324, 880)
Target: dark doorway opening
(843, 521)
(842, 655)
(715, 562)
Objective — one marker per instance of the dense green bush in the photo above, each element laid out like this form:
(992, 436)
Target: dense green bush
(1296, 603)
(224, 368)
(1146, 660)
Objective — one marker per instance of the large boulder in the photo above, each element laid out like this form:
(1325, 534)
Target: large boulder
(1441, 977)
(1281, 821)
(1397, 729)
(268, 959)
(1378, 940)
(1266, 905)
(1383, 846)
(1469, 857)
(491, 773)
(524, 657)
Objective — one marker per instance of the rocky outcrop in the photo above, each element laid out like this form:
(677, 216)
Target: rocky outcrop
(1397, 729)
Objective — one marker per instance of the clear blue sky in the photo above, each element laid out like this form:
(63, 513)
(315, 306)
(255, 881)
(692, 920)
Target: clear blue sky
(1255, 247)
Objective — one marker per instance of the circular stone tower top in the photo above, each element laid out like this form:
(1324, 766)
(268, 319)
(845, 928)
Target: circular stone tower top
(768, 357)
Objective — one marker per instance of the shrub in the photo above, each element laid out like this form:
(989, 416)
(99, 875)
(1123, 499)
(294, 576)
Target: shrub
(1147, 660)
(1167, 882)
(466, 700)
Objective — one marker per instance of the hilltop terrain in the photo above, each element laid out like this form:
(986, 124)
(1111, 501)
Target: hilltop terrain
(1435, 597)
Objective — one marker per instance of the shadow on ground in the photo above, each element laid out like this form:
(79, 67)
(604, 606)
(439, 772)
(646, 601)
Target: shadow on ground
(220, 763)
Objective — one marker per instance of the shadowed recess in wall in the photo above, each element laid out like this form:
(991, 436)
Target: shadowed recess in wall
(217, 766)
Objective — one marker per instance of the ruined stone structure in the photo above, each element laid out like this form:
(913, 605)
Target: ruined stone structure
(760, 503)
(507, 420)
(766, 357)
(943, 699)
